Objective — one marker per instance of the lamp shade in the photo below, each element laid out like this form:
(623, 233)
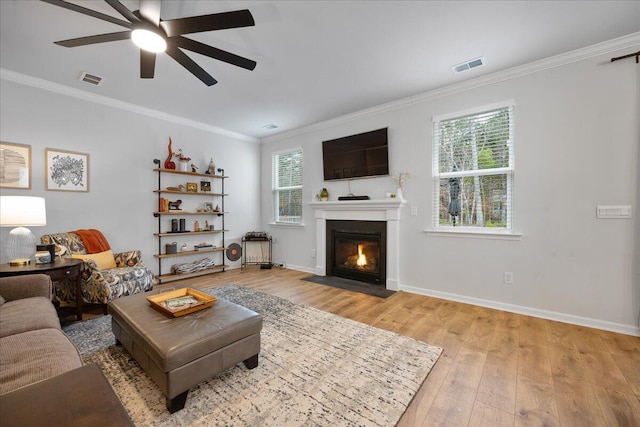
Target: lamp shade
(22, 210)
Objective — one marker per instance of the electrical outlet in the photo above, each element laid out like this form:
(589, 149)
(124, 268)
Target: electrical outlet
(414, 211)
(313, 253)
(508, 278)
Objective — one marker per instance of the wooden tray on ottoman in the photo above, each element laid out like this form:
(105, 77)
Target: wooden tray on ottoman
(159, 301)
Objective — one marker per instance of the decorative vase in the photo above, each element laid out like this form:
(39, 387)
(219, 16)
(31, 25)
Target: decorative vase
(168, 164)
(399, 194)
(184, 166)
(211, 170)
(324, 195)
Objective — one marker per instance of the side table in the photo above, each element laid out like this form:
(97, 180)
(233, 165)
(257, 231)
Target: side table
(61, 268)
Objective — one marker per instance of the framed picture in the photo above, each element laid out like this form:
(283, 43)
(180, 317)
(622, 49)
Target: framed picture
(192, 187)
(205, 186)
(208, 206)
(66, 170)
(15, 166)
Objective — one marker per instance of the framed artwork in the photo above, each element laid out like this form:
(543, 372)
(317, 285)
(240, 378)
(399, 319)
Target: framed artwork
(208, 206)
(15, 166)
(66, 170)
(192, 187)
(205, 186)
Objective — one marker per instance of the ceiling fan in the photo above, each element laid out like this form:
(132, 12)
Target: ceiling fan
(145, 26)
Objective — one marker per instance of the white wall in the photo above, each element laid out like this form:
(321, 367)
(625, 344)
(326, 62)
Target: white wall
(122, 146)
(576, 147)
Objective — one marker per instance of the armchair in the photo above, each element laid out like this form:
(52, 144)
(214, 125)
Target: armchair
(105, 276)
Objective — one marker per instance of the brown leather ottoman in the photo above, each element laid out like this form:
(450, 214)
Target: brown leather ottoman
(179, 353)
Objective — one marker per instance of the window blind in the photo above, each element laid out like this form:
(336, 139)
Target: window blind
(473, 164)
(287, 170)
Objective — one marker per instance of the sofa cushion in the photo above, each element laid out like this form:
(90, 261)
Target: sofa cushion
(27, 314)
(34, 356)
(2, 300)
(104, 260)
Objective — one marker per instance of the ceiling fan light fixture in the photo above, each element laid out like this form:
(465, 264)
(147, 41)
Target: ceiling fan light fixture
(149, 39)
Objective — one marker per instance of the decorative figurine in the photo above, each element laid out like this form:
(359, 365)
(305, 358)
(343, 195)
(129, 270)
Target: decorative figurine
(168, 164)
(175, 206)
(194, 168)
(206, 225)
(211, 170)
(184, 247)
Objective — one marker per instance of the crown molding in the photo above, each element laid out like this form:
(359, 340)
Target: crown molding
(630, 40)
(38, 83)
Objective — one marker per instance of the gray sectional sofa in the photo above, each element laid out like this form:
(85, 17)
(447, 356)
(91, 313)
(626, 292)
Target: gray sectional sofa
(32, 345)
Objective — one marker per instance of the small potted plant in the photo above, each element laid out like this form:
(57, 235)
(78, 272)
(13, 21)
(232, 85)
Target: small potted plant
(183, 160)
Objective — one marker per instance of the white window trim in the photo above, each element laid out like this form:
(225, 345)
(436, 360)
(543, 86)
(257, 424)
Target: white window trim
(274, 211)
(469, 232)
(287, 224)
(475, 110)
(473, 232)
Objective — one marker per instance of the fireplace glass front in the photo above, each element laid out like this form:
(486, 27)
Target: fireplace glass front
(357, 250)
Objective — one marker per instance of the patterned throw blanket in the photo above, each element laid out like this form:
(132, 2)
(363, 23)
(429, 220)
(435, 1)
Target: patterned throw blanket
(93, 240)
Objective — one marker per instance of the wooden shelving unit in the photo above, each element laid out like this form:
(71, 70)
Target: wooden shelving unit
(217, 196)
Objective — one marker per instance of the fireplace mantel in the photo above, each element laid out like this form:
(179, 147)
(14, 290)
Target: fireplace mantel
(361, 210)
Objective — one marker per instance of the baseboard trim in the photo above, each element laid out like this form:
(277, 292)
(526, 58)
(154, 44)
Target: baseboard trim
(528, 311)
(310, 270)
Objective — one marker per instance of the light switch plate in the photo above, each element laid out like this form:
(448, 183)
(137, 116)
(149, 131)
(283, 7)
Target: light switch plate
(613, 212)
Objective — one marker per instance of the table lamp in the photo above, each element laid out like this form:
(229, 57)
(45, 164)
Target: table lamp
(18, 211)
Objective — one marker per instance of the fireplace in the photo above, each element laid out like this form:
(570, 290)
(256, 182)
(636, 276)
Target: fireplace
(385, 211)
(357, 250)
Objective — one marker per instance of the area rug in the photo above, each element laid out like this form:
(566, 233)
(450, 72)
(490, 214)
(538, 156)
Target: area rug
(315, 369)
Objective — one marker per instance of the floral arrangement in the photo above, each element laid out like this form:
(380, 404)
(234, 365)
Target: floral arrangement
(181, 156)
(400, 179)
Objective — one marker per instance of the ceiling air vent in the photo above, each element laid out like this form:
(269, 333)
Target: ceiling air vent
(468, 65)
(91, 78)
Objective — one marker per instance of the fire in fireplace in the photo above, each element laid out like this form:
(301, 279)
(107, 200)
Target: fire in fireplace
(357, 250)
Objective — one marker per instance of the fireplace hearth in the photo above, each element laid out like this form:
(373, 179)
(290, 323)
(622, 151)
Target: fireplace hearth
(357, 250)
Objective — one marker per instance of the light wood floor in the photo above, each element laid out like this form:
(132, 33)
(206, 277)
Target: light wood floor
(497, 368)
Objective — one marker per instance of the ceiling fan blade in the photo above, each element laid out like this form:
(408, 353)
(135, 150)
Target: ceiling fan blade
(147, 64)
(88, 12)
(189, 64)
(215, 53)
(215, 21)
(150, 10)
(100, 38)
(122, 10)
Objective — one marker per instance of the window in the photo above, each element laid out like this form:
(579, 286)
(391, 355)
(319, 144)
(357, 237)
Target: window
(473, 170)
(287, 186)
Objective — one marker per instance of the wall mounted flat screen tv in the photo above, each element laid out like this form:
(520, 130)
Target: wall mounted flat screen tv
(356, 156)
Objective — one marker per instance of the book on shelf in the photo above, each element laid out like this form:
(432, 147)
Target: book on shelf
(163, 205)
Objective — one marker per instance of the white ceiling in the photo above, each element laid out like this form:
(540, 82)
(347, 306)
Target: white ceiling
(317, 60)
